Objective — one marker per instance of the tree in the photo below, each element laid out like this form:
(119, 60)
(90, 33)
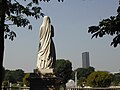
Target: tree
(19, 74)
(82, 74)
(99, 79)
(63, 69)
(9, 76)
(14, 75)
(116, 79)
(109, 26)
(15, 13)
(25, 81)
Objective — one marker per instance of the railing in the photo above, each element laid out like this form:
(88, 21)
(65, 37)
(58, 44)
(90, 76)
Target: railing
(92, 88)
(28, 88)
(15, 88)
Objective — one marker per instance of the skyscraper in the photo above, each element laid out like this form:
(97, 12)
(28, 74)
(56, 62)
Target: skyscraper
(85, 60)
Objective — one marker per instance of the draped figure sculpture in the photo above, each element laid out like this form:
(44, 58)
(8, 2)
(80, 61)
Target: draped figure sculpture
(46, 53)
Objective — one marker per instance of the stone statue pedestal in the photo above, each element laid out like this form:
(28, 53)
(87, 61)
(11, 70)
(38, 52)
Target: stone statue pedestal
(45, 71)
(44, 83)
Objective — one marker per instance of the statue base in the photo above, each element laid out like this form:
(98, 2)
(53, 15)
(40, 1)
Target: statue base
(44, 83)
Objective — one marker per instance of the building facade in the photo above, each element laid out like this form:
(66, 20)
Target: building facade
(85, 60)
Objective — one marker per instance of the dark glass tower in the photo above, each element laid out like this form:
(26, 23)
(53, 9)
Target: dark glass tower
(85, 60)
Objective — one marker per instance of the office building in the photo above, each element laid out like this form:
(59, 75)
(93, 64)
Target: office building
(85, 60)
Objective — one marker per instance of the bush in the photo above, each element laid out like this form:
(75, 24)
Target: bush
(99, 79)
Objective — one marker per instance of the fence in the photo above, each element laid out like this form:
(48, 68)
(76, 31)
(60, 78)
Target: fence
(28, 88)
(92, 88)
(15, 88)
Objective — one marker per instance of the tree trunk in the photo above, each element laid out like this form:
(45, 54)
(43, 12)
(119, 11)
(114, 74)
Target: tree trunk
(1, 55)
(2, 20)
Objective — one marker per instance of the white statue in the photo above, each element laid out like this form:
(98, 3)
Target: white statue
(46, 54)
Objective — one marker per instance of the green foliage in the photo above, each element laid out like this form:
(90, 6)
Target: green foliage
(5, 83)
(63, 69)
(16, 14)
(19, 74)
(82, 74)
(116, 79)
(14, 75)
(99, 79)
(9, 76)
(109, 26)
(81, 80)
(25, 81)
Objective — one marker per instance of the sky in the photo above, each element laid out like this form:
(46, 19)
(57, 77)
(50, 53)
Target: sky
(71, 20)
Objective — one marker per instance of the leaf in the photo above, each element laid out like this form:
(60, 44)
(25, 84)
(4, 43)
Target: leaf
(13, 33)
(35, 1)
(42, 14)
(93, 29)
(116, 41)
(94, 35)
(118, 10)
(100, 34)
(30, 27)
(12, 38)
(29, 4)
(6, 36)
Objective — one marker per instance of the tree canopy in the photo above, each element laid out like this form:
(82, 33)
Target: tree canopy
(63, 69)
(16, 14)
(99, 79)
(116, 79)
(25, 81)
(109, 26)
(14, 76)
(82, 74)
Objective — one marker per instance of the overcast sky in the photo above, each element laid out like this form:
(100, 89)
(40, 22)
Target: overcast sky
(71, 20)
